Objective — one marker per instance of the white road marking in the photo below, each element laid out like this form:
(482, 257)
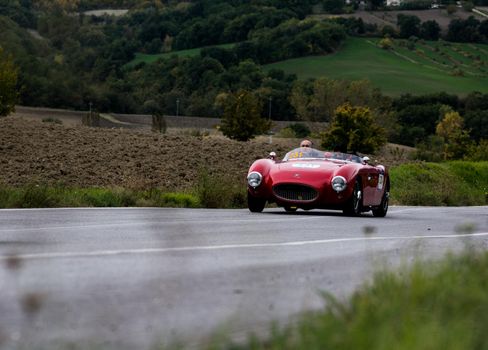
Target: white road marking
(160, 222)
(101, 253)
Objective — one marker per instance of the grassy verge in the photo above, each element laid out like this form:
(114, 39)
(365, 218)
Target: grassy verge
(450, 183)
(438, 184)
(441, 305)
(34, 196)
(209, 192)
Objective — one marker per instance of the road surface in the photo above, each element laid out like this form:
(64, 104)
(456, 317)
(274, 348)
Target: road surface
(132, 278)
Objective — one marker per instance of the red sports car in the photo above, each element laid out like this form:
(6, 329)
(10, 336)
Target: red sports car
(307, 178)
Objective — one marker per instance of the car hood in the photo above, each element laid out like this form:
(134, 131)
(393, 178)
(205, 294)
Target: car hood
(304, 171)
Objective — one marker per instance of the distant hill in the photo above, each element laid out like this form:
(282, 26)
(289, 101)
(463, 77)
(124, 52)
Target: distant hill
(428, 67)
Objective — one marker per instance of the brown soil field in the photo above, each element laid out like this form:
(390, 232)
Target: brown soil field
(35, 152)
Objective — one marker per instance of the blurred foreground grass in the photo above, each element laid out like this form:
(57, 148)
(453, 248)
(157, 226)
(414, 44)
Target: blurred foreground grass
(430, 305)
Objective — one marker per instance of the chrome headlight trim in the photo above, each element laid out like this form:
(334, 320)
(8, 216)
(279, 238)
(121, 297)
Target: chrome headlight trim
(338, 183)
(254, 179)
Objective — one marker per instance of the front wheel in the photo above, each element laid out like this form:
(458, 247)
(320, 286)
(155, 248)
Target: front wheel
(255, 204)
(354, 205)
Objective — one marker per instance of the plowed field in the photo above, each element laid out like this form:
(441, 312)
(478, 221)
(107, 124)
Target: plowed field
(34, 152)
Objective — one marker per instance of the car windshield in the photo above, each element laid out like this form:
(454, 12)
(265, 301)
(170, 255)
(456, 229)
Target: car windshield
(312, 153)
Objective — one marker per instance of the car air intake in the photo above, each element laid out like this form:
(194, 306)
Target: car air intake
(293, 192)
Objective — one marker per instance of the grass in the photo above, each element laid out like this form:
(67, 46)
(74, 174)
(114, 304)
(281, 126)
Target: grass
(442, 305)
(211, 191)
(361, 58)
(455, 183)
(34, 196)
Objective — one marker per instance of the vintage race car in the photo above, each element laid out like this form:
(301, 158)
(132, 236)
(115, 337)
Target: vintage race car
(307, 178)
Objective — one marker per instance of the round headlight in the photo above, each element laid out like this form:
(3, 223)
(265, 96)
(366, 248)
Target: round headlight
(338, 183)
(254, 179)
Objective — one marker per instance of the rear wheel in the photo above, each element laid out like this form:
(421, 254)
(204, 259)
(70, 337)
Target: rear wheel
(255, 204)
(354, 205)
(380, 212)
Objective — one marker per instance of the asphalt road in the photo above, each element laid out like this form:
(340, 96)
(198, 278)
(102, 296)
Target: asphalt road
(131, 278)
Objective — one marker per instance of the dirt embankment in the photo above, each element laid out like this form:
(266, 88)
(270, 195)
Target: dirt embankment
(34, 152)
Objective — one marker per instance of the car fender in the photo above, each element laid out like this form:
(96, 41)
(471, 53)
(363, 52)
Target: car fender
(350, 172)
(263, 167)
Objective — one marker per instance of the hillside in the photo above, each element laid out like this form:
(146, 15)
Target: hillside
(428, 68)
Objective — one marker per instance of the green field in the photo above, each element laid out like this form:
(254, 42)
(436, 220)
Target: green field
(428, 68)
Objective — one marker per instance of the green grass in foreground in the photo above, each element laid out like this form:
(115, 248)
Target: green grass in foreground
(441, 305)
(393, 70)
(454, 183)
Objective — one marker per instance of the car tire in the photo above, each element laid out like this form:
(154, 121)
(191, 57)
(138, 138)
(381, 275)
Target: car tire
(382, 209)
(255, 204)
(354, 205)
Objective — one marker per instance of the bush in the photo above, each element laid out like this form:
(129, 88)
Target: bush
(220, 192)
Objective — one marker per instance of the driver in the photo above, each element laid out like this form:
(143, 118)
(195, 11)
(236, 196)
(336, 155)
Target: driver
(306, 143)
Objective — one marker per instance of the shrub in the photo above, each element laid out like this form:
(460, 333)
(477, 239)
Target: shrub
(220, 191)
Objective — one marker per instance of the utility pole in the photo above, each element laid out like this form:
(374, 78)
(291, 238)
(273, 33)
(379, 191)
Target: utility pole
(177, 106)
(269, 108)
(269, 119)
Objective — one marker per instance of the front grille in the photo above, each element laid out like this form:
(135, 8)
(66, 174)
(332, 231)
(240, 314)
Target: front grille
(293, 192)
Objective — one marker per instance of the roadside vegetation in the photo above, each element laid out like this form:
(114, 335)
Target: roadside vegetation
(456, 183)
(428, 305)
(208, 192)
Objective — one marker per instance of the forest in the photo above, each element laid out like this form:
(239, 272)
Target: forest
(67, 59)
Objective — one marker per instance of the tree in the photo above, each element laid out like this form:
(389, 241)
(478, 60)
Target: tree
(409, 25)
(158, 122)
(430, 30)
(333, 6)
(354, 129)
(8, 84)
(456, 139)
(242, 116)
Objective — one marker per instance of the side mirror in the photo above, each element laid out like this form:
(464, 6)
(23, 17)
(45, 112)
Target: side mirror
(272, 155)
(366, 160)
